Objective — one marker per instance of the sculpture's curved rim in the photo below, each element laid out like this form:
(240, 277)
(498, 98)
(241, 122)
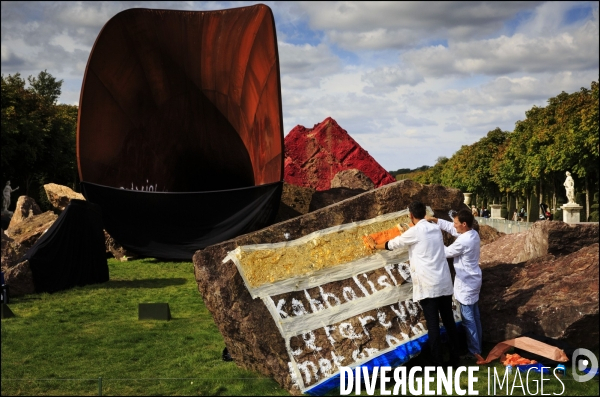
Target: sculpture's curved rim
(81, 168)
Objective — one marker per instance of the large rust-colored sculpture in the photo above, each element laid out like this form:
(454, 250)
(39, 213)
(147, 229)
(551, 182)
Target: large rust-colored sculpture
(186, 102)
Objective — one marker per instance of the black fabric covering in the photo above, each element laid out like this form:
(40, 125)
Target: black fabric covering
(175, 225)
(71, 252)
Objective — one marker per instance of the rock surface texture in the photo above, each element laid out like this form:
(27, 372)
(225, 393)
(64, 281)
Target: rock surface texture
(27, 232)
(313, 157)
(25, 208)
(544, 237)
(297, 200)
(19, 279)
(488, 234)
(59, 195)
(544, 280)
(250, 333)
(19, 238)
(325, 198)
(352, 179)
(9, 256)
(116, 250)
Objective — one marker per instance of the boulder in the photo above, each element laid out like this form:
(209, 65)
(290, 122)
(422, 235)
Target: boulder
(19, 279)
(116, 250)
(545, 237)
(59, 195)
(325, 198)
(488, 234)
(251, 335)
(27, 232)
(295, 201)
(313, 156)
(555, 296)
(9, 256)
(25, 208)
(352, 179)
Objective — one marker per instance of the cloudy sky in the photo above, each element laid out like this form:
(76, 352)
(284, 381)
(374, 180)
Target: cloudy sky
(410, 81)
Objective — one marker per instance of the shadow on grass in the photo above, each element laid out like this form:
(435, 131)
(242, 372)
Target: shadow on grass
(145, 283)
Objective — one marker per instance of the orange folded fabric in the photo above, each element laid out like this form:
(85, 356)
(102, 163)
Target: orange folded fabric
(387, 235)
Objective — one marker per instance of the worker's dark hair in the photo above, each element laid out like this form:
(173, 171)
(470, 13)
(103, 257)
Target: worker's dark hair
(465, 216)
(417, 208)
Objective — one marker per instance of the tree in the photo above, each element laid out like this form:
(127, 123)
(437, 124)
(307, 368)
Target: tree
(38, 135)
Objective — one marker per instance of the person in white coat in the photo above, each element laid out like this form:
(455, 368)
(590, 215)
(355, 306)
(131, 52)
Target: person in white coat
(430, 274)
(467, 282)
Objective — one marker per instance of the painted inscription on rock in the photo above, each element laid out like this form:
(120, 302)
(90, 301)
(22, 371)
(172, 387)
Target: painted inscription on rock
(337, 306)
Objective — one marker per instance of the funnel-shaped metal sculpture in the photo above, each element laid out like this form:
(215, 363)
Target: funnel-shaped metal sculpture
(180, 133)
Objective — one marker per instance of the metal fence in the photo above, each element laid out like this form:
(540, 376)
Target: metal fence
(505, 226)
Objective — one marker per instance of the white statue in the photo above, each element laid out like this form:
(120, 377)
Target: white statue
(570, 188)
(6, 196)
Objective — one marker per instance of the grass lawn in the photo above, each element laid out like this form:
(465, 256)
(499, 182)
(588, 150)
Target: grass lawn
(62, 343)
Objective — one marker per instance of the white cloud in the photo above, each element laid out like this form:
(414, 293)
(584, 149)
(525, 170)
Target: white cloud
(387, 79)
(410, 81)
(575, 49)
(376, 25)
(9, 58)
(306, 64)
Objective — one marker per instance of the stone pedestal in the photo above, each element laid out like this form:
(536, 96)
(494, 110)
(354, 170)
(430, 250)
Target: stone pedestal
(467, 198)
(571, 213)
(496, 211)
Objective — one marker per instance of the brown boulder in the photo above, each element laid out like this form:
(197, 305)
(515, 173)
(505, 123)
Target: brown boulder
(549, 295)
(251, 335)
(352, 179)
(544, 237)
(295, 201)
(19, 279)
(27, 232)
(25, 208)
(116, 249)
(9, 256)
(326, 198)
(488, 234)
(60, 196)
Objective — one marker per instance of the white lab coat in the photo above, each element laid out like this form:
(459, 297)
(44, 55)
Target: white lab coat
(428, 266)
(465, 251)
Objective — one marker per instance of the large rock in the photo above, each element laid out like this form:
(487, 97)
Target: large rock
(488, 234)
(325, 198)
(27, 232)
(295, 201)
(251, 335)
(549, 295)
(538, 281)
(544, 237)
(26, 207)
(60, 196)
(9, 256)
(313, 156)
(116, 250)
(352, 179)
(19, 279)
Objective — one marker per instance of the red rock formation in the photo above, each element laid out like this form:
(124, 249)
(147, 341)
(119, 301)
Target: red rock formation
(313, 156)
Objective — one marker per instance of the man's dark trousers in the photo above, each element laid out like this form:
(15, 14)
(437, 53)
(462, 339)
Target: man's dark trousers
(433, 308)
